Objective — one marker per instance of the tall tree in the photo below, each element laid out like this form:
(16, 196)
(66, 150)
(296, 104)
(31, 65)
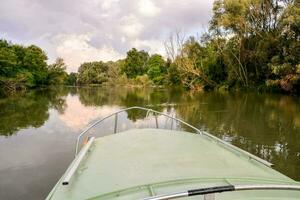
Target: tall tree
(135, 63)
(72, 79)
(92, 73)
(156, 69)
(35, 61)
(56, 72)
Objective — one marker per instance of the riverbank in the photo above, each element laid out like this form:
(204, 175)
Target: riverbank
(133, 84)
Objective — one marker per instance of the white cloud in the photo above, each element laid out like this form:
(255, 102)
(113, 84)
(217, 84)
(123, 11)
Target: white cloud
(123, 39)
(147, 8)
(108, 4)
(75, 49)
(130, 26)
(153, 46)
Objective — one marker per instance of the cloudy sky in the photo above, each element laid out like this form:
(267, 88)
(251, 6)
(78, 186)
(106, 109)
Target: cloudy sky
(89, 30)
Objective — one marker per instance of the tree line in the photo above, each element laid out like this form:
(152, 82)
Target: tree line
(26, 67)
(138, 68)
(249, 44)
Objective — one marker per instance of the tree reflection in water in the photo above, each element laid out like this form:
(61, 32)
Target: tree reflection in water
(265, 125)
(30, 109)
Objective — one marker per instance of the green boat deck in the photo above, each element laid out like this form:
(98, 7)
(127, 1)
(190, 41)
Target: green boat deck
(144, 162)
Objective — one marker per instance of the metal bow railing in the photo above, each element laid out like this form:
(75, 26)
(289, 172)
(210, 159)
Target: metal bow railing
(156, 114)
(115, 114)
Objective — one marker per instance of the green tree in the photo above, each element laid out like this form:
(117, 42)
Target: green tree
(72, 79)
(135, 63)
(34, 61)
(8, 59)
(114, 69)
(21, 66)
(289, 25)
(285, 65)
(191, 65)
(92, 73)
(156, 69)
(172, 76)
(56, 72)
(213, 62)
(251, 29)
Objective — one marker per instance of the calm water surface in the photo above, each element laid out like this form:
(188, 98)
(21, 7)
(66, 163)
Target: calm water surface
(38, 129)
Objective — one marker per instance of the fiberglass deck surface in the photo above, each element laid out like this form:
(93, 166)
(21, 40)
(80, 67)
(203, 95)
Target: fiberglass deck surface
(152, 156)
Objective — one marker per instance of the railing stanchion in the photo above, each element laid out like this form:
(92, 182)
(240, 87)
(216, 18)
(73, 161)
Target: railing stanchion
(172, 121)
(156, 121)
(166, 122)
(147, 115)
(116, 123)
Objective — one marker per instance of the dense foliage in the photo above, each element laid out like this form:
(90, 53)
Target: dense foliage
(135, 63)
(72, 79)
(156, 69)
(22, 67)
(261, 42)
(92, 73)
(57, 73)
(250, 43)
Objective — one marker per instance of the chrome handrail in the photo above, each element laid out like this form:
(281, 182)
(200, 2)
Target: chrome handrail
(226, 144)
(220, 189)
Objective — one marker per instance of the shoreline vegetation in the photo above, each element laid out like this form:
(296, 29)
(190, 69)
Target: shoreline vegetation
(250, 44)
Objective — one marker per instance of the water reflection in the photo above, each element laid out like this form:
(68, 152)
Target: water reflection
(77, 115)
(263, 124)
(29, 109)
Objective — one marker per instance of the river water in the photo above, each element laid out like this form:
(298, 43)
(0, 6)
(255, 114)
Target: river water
(38, 128)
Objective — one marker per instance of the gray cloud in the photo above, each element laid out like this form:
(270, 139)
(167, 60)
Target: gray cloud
(84, 30)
